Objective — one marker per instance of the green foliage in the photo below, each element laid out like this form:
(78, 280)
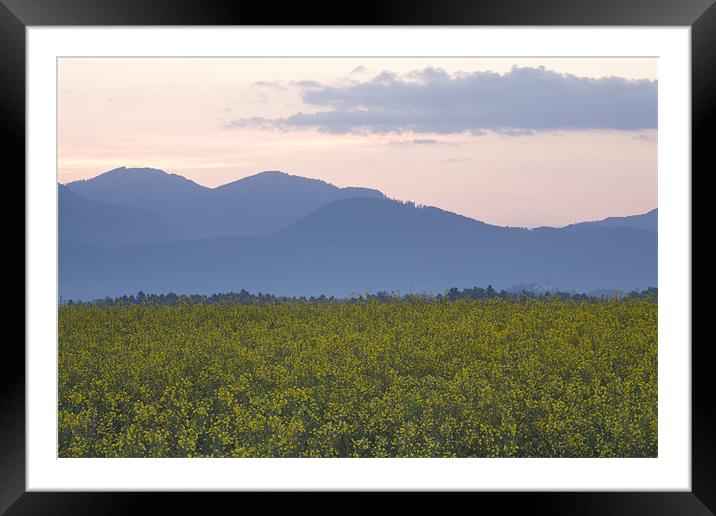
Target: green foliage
(415, 378)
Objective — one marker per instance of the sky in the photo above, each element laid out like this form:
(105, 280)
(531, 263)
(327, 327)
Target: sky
(513, 142)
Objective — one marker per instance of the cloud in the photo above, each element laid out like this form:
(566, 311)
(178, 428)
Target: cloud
(515, 103)
(457, 160)
(274, 85)
(425, 141)
(510, 132)
(255, 122)
(417, 141)
(643, 137)
(307, 84)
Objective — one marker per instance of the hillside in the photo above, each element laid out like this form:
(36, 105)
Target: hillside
(369, 244)
(91, 222)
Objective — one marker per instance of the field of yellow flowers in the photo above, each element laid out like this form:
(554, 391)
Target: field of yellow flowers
(415, 378)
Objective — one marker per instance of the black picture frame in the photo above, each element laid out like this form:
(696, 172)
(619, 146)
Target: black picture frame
(17, 15)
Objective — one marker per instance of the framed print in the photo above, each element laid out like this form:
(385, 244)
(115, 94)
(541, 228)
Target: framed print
(450, 250)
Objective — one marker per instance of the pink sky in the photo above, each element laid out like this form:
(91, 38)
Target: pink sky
(174, 114)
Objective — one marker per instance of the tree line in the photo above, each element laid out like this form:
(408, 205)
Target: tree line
(453, 294)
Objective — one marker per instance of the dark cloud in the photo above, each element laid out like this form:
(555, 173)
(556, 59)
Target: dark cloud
(513, 104)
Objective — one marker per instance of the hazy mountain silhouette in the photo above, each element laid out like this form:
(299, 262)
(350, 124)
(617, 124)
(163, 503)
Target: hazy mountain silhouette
(140, 188)
(646, 221)
(84, 221)
(369, 243)
(258, 204)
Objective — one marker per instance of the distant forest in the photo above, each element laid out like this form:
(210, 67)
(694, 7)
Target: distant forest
(246, 298)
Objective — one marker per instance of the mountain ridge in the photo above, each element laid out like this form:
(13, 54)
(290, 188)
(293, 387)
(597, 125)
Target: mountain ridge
(163, 173)
(647, 221)
(262, 203)
(649, 218)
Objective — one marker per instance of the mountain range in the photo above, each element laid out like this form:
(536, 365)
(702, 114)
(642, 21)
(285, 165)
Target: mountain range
(144, 229)
(257, 204)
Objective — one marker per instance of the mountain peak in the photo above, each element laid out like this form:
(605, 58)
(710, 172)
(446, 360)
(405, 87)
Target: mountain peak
(148, 174)
(147, 188)
(272, 173)
(123, 174)
(272, 182)
(272, 177)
